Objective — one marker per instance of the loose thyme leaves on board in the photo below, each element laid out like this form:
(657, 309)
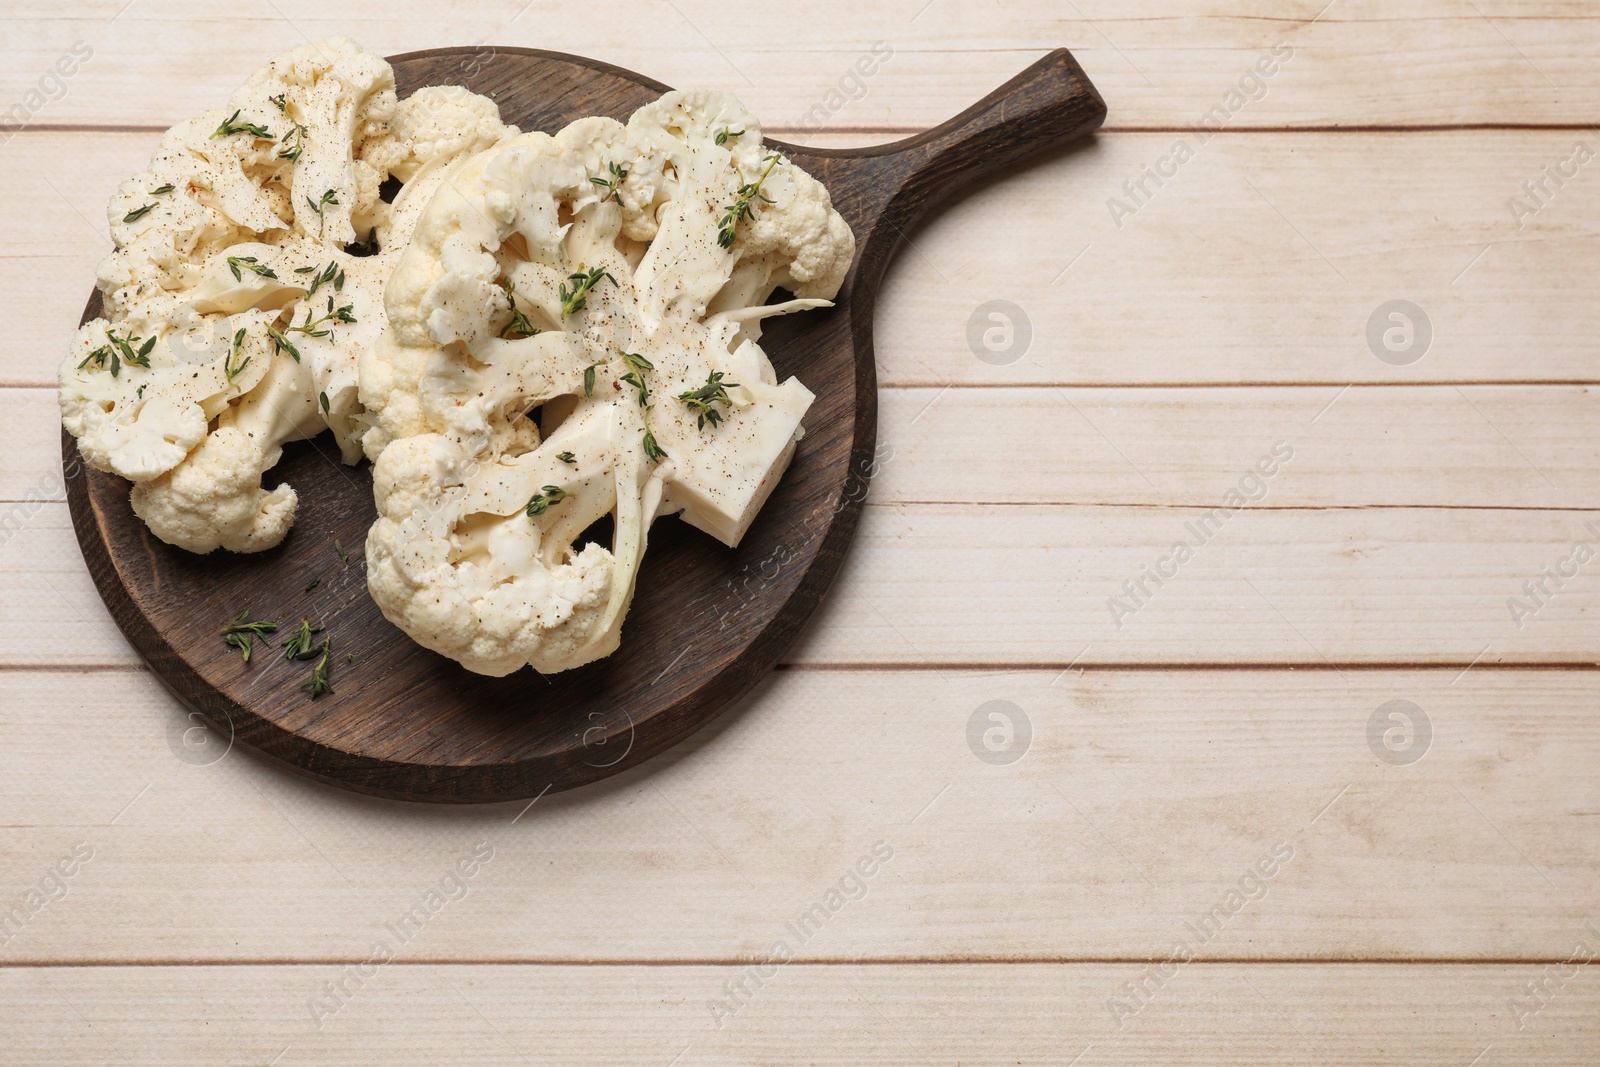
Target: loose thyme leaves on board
(344, 557)
(314, 583)
(241, 633)
(318, 684)
(302, 644)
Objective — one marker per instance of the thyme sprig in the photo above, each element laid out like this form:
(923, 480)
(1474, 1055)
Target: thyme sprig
(294, 143)
(588, 378)
(725, 133)
(241, 633)
(313, 327)
(540, 502)
(236, 264)
(318, 685)
(652, 449)
(283, 344)
(519, 324)
(566, 457)
(331, 273)
(320, 205)
(745, 206)
(574, 298)
(138, 213)
(618, 176)
(302, 644)
(636, 380)
(701, 400)
(231, 125)
(120, 350)
(162, 190)
(228, 367)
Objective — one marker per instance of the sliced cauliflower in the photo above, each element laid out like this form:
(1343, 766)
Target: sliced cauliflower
(247, 281)
(574, 334)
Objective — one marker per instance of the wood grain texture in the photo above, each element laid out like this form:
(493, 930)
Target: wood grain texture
(1139, 802)
(1222, 1015)
(406, 723)
(1520, 446)
(1206, 284)
(1208, 293)
(1358, 62)
(928, 585)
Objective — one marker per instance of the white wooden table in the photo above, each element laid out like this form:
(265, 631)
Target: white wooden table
(1428, 867)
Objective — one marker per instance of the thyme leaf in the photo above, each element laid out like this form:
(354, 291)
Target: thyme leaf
(745, 206)
(251, 264)
(700, 400)
(540, 502)
(573, 299)
(241, 633)
(302, 644)
(231, 125)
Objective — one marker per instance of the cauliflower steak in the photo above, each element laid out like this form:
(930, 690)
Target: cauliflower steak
(574, 333)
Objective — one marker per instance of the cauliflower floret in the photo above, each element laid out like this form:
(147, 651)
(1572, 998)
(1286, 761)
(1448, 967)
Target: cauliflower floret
(527, 286)
(237, 299)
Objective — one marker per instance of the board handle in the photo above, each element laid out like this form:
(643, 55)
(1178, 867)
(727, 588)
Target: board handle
(1048, 105)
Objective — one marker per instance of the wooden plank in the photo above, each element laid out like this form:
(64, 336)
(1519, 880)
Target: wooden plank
(1479, 446)
(1136, 802)
(1211, 281)
(1024, 584)
(1360, 62)
(913, 1016)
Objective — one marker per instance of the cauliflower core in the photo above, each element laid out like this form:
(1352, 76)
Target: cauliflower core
(573, 335)
(247, 281)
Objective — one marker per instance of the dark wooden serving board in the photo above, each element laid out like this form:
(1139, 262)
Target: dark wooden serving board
(707, 623)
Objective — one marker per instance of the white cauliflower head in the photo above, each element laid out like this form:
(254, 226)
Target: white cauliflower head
(574, 334)
(246, 282)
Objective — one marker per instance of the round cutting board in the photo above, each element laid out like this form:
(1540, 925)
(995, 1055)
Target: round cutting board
(707, 621)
